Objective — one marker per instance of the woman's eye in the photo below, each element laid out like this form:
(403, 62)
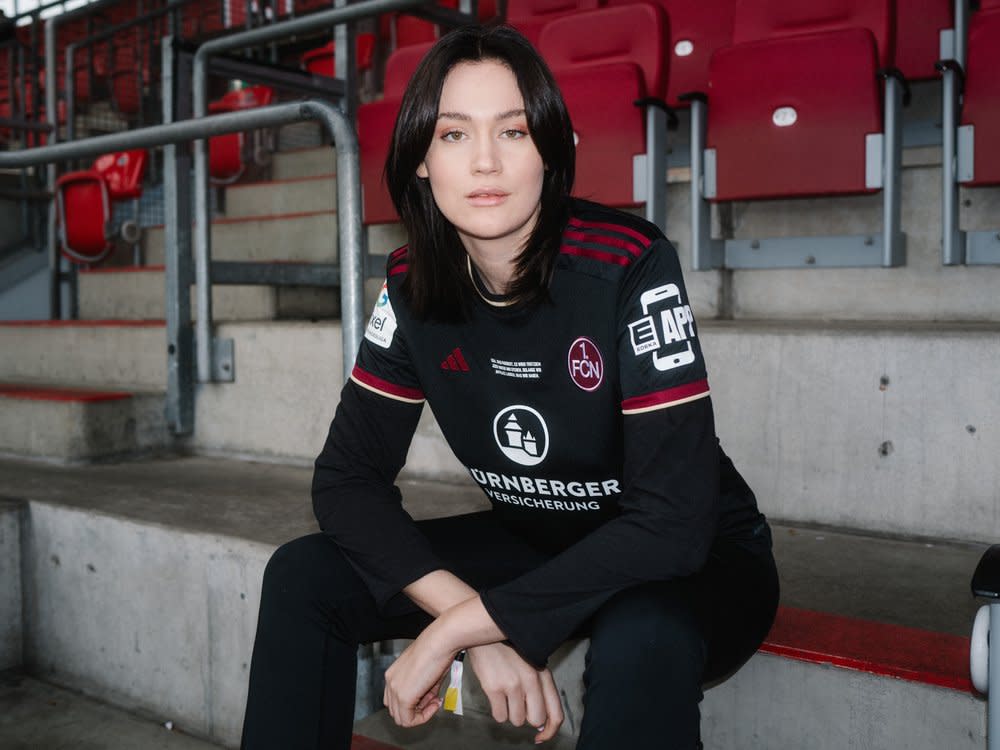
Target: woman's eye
(515, 133)
(452, 136)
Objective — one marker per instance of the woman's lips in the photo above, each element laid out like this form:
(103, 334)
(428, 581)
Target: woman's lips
(487, 197)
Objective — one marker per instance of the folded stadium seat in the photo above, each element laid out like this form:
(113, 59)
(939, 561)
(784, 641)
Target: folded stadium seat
(611, 65)
(972, 154)
(530, 16)
(321, 60)
(697, 29)
(375, 124)
(920, 26)
(793, 110)
(84, 201)
(226, 161)
(403, 30)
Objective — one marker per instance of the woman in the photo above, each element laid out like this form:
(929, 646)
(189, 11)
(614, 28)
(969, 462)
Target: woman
(554, 341)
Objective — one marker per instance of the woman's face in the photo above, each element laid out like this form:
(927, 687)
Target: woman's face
(483, 167)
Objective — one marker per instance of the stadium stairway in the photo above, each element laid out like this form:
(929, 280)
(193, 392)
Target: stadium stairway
(860, 404)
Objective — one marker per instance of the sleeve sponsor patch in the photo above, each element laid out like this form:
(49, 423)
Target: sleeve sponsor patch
(665, 331)
(382, 324)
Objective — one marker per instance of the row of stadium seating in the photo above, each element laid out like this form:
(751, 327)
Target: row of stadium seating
(793, 93)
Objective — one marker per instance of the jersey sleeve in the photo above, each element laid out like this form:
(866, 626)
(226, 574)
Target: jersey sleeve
(355, 499)
(660, 359)
(383, 364)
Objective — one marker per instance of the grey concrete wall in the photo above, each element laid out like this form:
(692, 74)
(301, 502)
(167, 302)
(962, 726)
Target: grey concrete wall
(11, 620)
(775, 702)
(143, 616)
(821, 437)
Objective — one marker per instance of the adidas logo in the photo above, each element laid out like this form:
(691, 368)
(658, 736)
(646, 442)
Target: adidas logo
(455, 362)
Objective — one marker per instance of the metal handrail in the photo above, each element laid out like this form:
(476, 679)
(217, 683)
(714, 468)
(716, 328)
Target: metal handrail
(250, 38)
(348, 179)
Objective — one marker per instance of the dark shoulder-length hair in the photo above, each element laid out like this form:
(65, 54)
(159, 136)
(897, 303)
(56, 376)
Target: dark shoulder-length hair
(437, 284)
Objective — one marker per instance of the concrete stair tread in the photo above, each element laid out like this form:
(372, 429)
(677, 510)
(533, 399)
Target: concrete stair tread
(449, 732)
(281, 181)
(225, 220)
(36, 714)
(858, 601)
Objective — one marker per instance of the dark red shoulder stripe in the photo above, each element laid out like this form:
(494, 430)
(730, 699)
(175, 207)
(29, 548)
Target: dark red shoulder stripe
(619, 228)
(618, 242)
(384, 386)
(401, 268)
(585, 252)
(399, 252)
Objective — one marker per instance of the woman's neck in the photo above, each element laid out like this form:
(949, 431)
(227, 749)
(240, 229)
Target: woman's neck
(494, 266)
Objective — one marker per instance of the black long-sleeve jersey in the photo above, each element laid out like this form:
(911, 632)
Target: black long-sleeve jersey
(586, 420)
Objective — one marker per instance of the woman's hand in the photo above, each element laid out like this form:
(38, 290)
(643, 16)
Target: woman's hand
(414, 680)
(518, 692)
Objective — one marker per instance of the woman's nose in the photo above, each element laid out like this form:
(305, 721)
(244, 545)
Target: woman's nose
(486, 159)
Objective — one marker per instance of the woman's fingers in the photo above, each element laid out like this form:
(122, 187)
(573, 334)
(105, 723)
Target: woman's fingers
(516, 707)
(535, 706)
(553, 708)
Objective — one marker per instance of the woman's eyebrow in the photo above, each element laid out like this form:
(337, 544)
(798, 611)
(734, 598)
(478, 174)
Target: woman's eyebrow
(511, 113)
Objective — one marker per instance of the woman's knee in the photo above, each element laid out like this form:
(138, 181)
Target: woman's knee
(307, 570)
(649, 629)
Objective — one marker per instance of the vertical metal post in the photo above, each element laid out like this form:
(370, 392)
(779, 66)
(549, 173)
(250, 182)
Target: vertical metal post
(202, 238)
(177, 246)
(656, 166)
(961, 30)
(952, 238)
(893, 243)
(993, 706)
(345, 63)
(52, 116)
(704, 253)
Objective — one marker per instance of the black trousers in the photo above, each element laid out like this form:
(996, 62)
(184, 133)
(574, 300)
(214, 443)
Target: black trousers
(651, 647)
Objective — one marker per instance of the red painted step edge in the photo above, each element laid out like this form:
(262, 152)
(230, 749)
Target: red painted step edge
(41, 393)
(878, 648)
(83, 323)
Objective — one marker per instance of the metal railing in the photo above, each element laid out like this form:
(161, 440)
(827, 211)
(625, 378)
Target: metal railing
(179, 387)
(338, 17)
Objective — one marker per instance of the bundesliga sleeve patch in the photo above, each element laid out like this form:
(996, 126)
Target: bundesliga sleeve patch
(382, 324)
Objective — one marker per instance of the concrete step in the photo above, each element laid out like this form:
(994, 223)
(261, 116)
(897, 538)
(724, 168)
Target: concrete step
(138, 292)
(37, 715)
(79, 424)
(106, 354)
(868, 644)
(305, 236)
(303, 162)
(278, 197)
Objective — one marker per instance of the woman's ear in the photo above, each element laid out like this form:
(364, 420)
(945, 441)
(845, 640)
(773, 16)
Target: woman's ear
(422, 170)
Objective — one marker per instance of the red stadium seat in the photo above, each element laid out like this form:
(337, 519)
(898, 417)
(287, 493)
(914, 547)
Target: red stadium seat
(981, 106)
(321, 60)
(84, 203)
(756, 20)
(530, 16)
(697, 29)
(919, 24)
(375, 124)
(606, 61)
(795, 109)
(226, 162)
(828, 82)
